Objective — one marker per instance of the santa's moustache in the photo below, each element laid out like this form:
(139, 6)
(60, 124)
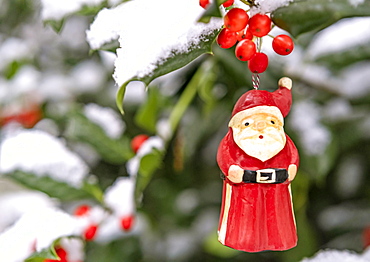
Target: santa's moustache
(257, 144)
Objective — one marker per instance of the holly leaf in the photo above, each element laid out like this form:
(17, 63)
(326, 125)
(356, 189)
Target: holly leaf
(148, 165)
(212, 10)
(46, 253)
(56, 189)
(114, 151)
(176, 60)
(124, 249)
(56, 25)
(303, 16)
(147, 115)
(85, 10)
(342, 59)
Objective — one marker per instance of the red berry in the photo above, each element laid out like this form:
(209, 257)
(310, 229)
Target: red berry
(226, 38)
(27, 118)
(283, 44)
(260, 25)
(82, 210)
(204, 3)
(90, 232)
(228, 3)
(137, 141)
(366, 237)
(236, 19)
(127, 222)
(244, 34)
(258, 63)
(62, 254)
(245, 50)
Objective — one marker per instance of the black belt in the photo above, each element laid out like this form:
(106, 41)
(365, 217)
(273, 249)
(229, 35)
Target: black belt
(266, 176)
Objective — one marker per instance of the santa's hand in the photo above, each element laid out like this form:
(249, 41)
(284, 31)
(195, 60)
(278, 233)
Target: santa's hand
(292, 171)
(235, 174)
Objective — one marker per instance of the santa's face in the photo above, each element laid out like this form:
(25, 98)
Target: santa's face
(259, 133)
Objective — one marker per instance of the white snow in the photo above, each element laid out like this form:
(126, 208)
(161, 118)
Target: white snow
(355, 3)
(120, 196)
(57, 9)
(74, 248)
(37, 229)
(88, 76)
(14, 49)
(39, 153)
(105, 28)
(149, 32)
(343, 35)
(305, 118)
(15, 204)
(109, 120)
(336, 256)
(267, 6)
(95, 216)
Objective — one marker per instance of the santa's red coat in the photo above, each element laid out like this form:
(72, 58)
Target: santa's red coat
(256, 217)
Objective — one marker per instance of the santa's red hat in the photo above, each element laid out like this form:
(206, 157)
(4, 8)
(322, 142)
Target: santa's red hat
(277, 103)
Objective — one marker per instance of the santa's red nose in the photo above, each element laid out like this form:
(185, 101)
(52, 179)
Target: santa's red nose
(261, 136)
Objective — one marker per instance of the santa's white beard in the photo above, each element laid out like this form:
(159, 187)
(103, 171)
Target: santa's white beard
(261, 145)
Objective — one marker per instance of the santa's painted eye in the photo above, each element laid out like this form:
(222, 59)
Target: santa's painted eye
(246, 124)
(272, 122)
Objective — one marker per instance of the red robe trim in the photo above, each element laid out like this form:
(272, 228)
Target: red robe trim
(256, 217)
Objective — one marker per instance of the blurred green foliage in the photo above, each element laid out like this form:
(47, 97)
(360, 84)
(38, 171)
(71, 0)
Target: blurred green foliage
(181, 189)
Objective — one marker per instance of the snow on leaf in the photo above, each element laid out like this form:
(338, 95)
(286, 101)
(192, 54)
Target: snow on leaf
(304, 16)
(337, 255)
(57, 9)
(106, 118)
(15, 204)
(80, 128)
(55, 189)
(37, 152)
(156, 37)
(356, 35)
(39, 229)
(267, 6)
(120, 196)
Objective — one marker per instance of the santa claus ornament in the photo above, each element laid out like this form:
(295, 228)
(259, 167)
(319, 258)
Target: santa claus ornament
(258, 161)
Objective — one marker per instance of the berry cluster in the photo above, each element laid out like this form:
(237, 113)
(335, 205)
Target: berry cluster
(246, 33)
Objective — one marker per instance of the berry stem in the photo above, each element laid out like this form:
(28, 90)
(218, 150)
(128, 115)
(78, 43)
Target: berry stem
(259, 43)
(248, 2)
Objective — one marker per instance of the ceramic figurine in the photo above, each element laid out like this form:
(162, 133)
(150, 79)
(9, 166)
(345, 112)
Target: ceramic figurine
(258, 161)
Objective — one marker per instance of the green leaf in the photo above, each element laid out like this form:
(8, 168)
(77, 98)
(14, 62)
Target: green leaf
(110, 47)
(339, 60)
(212, 10)
(127, 249)
(175, 61)
(56, 189)
(303, 16)
(148, 165)
(46, 253)
(207, 82)
(56, 25)
(147, 115)
(87, 10)
(12, 69)
(113, 151)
